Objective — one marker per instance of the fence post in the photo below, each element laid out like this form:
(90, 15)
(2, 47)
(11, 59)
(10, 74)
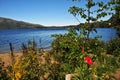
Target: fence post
(24, 49)
(70, 76)
(11, 53)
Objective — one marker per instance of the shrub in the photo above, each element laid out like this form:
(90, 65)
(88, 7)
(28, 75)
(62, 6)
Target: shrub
(94, 46)
(65, 43)
(70, 49)
(27, 67)
(113, 47)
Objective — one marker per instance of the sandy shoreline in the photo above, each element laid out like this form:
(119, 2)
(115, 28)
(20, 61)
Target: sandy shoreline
(6, 58)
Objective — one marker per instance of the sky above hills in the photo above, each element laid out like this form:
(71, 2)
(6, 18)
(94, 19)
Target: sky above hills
(44, 12)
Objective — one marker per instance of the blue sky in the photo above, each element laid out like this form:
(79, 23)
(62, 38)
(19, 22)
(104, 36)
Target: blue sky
(44, 12)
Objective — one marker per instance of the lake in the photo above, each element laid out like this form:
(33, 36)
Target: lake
(19, 36)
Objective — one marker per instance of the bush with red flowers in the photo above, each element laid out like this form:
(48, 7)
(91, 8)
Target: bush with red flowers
(85, 57)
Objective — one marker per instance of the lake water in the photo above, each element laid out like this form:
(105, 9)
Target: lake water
(19, 36)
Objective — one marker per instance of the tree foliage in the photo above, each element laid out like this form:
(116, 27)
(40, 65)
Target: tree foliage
(92, 12)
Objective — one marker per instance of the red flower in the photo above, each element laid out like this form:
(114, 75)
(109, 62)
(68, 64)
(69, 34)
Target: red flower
(88, 60)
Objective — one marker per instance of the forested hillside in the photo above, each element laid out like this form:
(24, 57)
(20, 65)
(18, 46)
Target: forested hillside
(6, 23)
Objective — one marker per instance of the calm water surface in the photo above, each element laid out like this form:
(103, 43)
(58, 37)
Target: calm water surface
(17, 37)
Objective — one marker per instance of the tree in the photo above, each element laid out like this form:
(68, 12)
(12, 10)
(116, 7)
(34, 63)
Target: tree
(115, 6)
(92, 12)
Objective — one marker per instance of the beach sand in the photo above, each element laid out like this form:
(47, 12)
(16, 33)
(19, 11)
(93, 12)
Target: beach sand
(6, 58)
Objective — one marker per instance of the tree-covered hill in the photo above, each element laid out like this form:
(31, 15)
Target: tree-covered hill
(6, 23)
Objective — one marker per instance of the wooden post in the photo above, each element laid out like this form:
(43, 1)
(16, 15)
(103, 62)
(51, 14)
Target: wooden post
(70, 76)
(11, 53)
(24, 49)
